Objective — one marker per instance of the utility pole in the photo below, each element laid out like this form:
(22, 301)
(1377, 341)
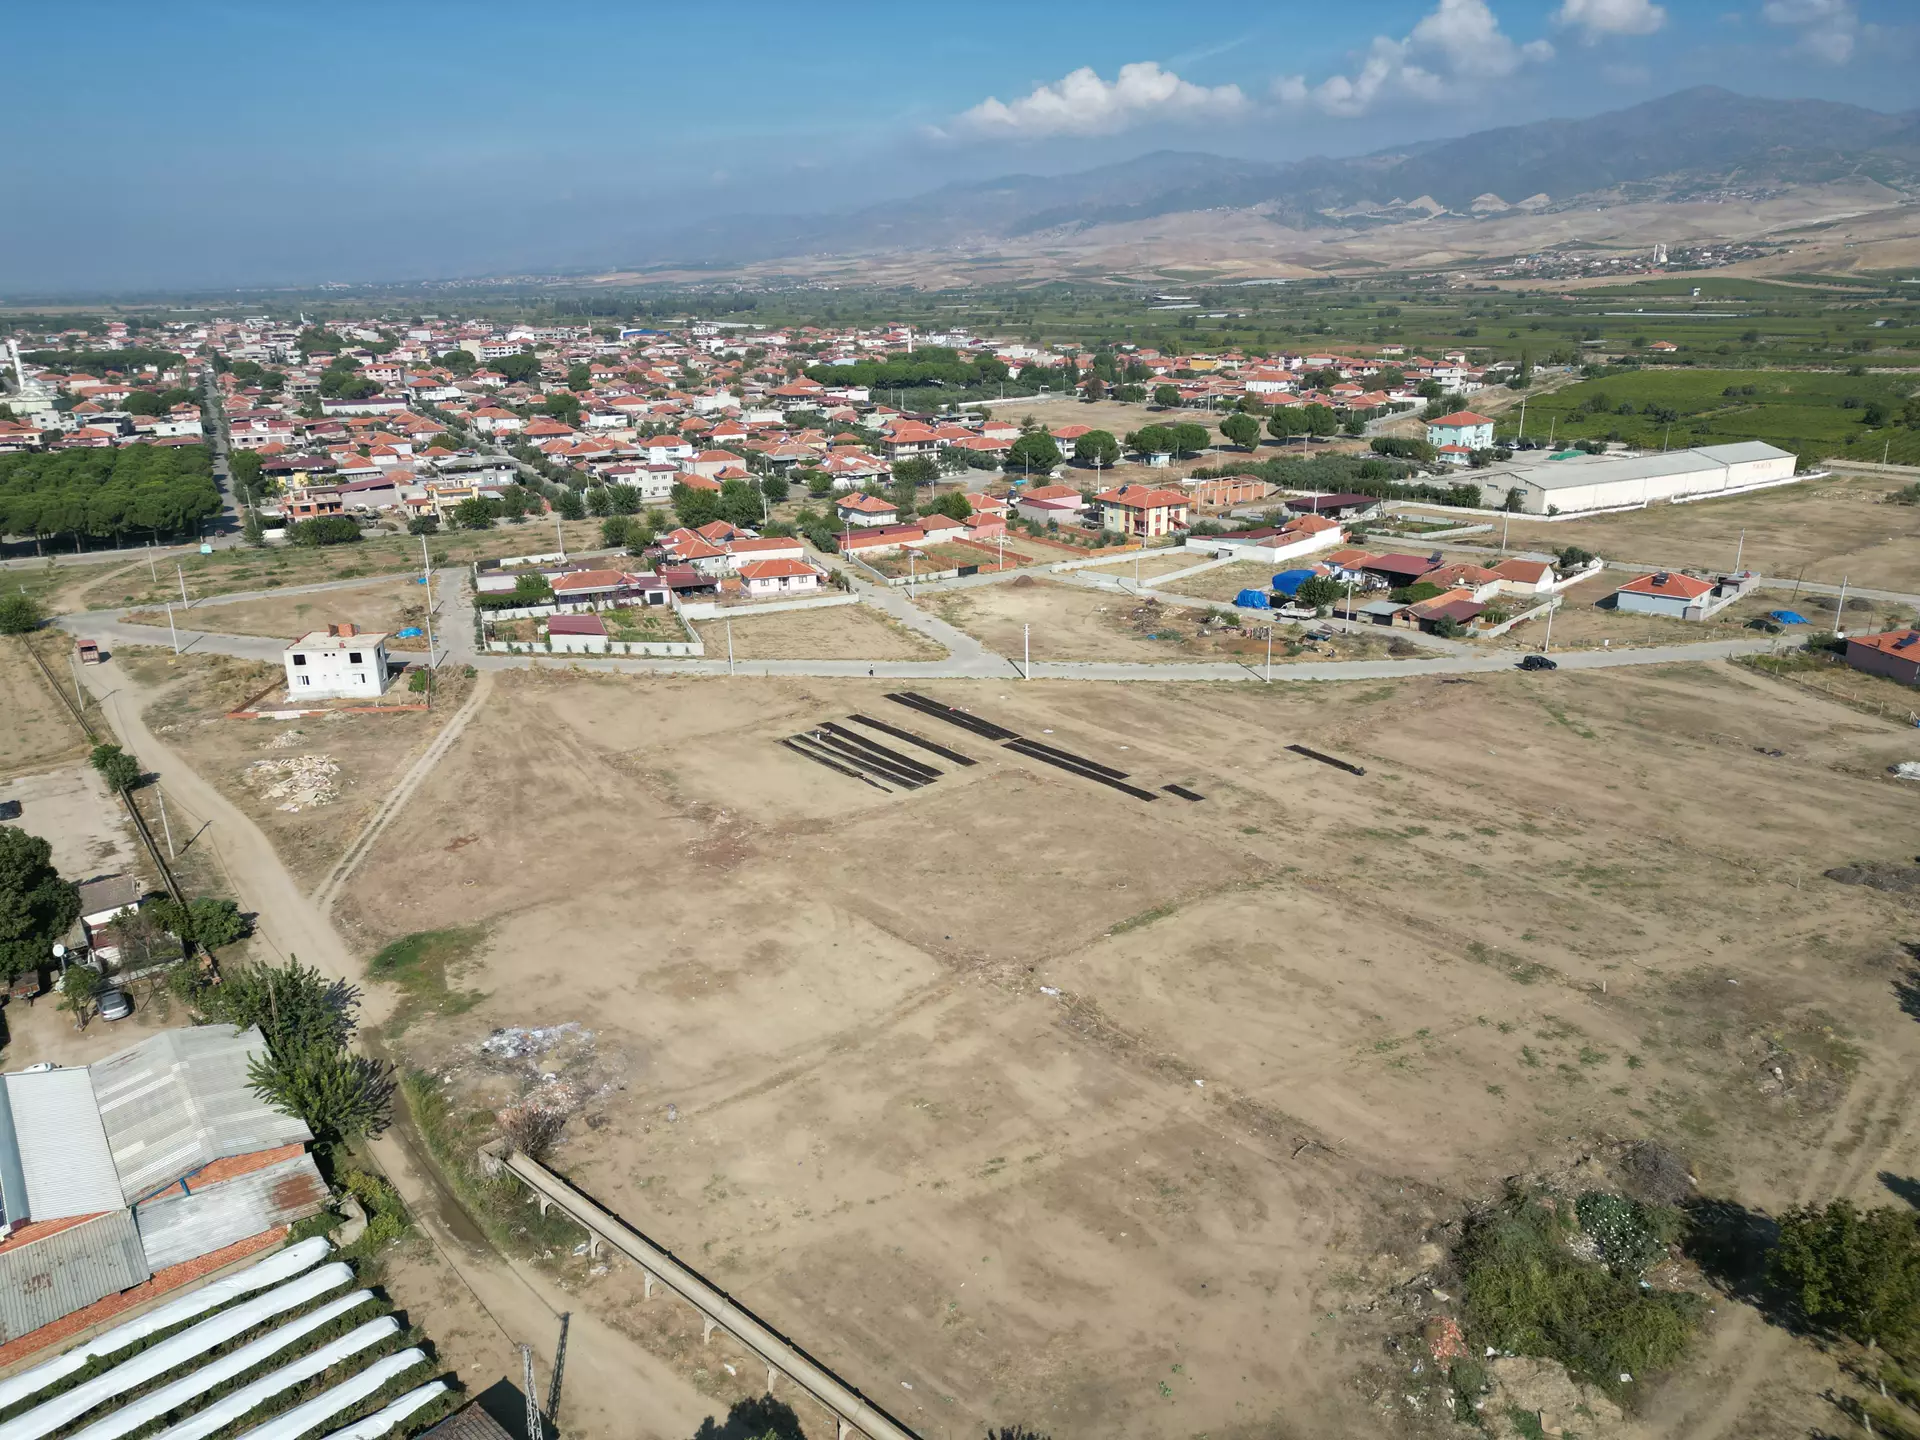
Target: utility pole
(1523, 418)
(559, 1369)
(184, 603)
(1840, 606)
(1269, 654)
(1739, 551)
(1548, 645)
(427, 560)
(536, 1427)
(729, 645)
(152, 569)
(171, 630)
(1026, 644)
(161, 796)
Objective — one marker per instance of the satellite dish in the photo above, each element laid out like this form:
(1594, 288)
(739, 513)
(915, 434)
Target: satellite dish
(59, 951)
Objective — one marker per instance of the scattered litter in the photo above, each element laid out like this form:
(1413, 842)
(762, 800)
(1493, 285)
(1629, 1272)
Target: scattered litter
(1625, 1378)
(728, 1368)
(1048, 990)
(1201, 1083)
(673, 1113)
(581, 1248)
(285, 740)
(1908, 769)
(906, 1385)
(1049, 732)
(598, 1270)
(516, 1042)
(300, 782)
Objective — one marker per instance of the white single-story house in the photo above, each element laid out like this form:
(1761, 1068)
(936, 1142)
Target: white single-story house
(336, 663)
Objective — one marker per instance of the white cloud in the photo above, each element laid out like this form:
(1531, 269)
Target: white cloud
(1828, 28)
(1458, 46)
(1084, 104)
(1601, 18)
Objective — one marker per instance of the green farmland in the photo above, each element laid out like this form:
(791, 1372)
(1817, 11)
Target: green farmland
(1817, 415)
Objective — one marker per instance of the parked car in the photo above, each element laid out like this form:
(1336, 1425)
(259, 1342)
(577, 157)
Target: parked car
(114, 1005)
(1538, 662)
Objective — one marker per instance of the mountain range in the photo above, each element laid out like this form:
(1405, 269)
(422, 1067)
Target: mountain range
(1689, 144)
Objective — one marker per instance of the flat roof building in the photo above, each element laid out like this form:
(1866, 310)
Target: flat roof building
(340, 662)
(1607, 482)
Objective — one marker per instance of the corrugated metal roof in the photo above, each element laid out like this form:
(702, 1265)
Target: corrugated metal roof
(44, 1280)
(13, 1179)
(63, 1148)
(181, 1100)
(184, 1227)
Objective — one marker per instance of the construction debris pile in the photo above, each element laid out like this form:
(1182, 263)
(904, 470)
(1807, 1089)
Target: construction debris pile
(298, 782)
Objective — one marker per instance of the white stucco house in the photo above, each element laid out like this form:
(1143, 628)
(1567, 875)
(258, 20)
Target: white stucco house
(336, 663)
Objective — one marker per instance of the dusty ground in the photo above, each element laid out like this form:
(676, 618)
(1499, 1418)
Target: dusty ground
(999, 1090)
(840, 632)
(1073, 623)
(1150, 565)
(1226, 582)
(1584, 623)
(1829, 531)
(247, 758)
(68, 806)
(38, 731)
(380, 607)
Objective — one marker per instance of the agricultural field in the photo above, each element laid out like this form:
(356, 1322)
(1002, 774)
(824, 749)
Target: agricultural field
(1018, 1098)
(1827, 531)
(381, 606)
(37, 731)
(839, 632)
(1814, 414)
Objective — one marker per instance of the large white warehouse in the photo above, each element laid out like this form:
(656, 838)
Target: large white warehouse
(1604, 482)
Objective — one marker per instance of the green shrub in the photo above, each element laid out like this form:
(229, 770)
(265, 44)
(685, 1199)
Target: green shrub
(1527, 1293)
(1630, 1235)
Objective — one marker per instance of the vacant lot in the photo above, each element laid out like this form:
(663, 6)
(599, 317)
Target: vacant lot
(380, 606)
(839, 632)
(1118, 1117)
(312, 784)
(36, 730)
(1828, 530)
(243, 568)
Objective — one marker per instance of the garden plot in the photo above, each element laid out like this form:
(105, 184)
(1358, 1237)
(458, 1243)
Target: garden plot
(837, 632)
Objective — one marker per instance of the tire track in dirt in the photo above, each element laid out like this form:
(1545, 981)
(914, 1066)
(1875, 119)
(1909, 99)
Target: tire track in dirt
(343, 869)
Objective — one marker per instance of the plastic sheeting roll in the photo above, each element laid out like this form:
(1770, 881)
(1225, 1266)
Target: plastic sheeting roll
(282, 1265)
(50, 1415)
(229, 1408)
(167, 1398)
(380, 1422)
(316, 1412)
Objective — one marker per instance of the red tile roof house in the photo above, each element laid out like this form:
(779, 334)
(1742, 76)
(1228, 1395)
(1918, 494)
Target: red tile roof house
(883, 540)
(1665, 592)
(577, 634)
(1894, 654)
(1459, 606)
(1143, 510)
(866, 511)
(769, 547)
(767, 579)
(1045, 503)
(1398, 569)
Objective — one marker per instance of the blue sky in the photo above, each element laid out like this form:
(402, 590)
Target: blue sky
(197, 144)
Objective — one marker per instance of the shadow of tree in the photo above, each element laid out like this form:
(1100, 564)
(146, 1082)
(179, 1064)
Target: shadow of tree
(754, 1419)
(1906, 988)
(1730, 1244)
(1905, 1186)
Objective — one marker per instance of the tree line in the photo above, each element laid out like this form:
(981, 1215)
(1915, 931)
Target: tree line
(107, 493)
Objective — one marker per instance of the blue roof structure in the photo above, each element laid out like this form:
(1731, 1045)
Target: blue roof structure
(1252, 600)
(1788, 617)
(1288, 582)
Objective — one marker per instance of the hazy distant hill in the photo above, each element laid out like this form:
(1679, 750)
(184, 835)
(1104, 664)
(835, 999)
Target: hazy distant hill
(1681, 144)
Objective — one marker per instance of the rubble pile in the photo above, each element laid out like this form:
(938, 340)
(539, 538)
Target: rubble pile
(298, 782)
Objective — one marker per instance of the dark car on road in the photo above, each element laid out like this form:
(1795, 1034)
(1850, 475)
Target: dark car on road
(1539, 662)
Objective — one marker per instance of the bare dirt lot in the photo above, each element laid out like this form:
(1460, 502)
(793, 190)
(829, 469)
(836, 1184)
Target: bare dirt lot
(1075, 623)
(1119, 1117)
(1826, 530)
(379, 607)
(36, 730)
(840, 632)
(310, 784)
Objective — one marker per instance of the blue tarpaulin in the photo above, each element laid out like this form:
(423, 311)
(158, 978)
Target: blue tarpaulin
(1788, 617)
(1252, 600)
(408, 633)
(1287, 582)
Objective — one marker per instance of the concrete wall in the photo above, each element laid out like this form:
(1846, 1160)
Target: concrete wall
(711, 610)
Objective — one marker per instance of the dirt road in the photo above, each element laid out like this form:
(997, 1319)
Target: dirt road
(614, 1388)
